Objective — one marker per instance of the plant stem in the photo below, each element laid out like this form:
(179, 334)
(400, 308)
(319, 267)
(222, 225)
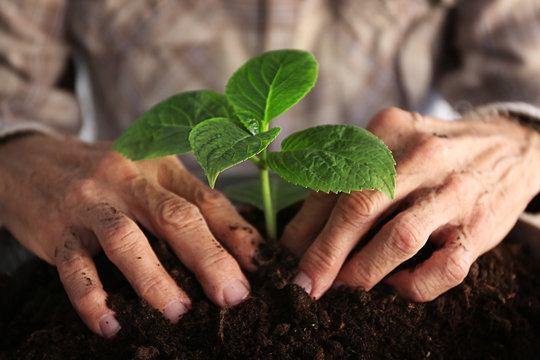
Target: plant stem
(269, 214)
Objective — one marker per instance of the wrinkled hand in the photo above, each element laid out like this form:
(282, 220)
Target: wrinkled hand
(65, 200)
(460, 185)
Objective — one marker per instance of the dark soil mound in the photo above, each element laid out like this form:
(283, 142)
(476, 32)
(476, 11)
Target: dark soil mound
(493, 314)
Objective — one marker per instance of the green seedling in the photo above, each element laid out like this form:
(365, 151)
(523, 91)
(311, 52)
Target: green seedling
(223, 130)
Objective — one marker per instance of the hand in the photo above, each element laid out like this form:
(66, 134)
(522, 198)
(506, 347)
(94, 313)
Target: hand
(65, 200)
(460, 185)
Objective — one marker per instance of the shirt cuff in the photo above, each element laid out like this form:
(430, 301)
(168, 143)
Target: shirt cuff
(526, 114)
(19, 127)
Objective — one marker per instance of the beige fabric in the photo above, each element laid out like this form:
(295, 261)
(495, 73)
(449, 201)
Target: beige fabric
(372, 54)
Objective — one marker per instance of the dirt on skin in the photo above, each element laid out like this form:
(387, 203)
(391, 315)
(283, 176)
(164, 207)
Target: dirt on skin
(493, 314)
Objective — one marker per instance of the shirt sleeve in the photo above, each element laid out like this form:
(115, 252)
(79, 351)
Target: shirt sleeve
(33, 55)
(497, 47)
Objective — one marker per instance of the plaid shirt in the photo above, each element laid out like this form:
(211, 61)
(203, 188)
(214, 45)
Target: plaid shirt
(372, 54)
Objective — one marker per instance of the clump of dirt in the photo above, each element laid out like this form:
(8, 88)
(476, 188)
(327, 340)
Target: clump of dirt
(493, 314)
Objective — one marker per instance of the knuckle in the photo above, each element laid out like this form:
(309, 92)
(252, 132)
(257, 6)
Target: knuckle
(363, 203)
(358, 207)
(389, 114)
(388, 118)
(361, 274)
(210, 197)
(119, 237)
(69, 268)
(419, 292)
(406, 236)
(81, 190)
(105, 213)
(324, 258)
(178, 214)
(138, 184)
(153, 287)
(457, 268)
(214, 259)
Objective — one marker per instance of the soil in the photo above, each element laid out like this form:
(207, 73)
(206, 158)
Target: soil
(493, 314)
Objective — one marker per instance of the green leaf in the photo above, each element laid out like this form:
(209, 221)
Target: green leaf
(337, 158)
(164, 129)
(220, 143)
(269, 84)
(283, 193)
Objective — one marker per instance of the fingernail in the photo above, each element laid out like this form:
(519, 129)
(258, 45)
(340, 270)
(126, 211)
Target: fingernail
(174, 311)
(235, 292)
(108, 325)
(304, 281)
(337, 284)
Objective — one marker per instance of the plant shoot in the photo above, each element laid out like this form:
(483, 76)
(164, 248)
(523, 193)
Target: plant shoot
(223, 130)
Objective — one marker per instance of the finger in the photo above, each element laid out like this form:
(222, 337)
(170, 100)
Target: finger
(308, 222)
(79, 276)
(403, 236)
(182, 224)
(127, 247)
(352, 216)
(445, 269)
(240, 237)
